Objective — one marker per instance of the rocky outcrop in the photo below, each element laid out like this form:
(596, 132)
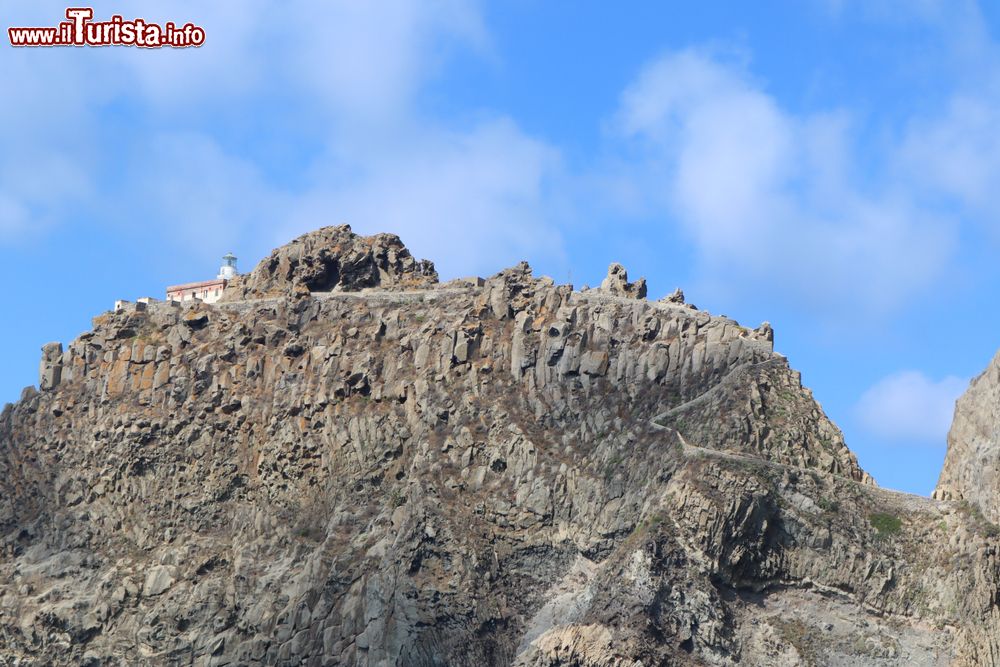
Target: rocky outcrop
(971, 469)
(50, 368)
(677, 297)
(617, 283)
(497, 472)
(334, 259)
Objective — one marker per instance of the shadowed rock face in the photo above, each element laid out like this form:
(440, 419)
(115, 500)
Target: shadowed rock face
(498, 472)
(334, 259)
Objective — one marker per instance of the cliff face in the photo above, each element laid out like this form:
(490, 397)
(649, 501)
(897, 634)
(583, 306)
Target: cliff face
(347, 463)
(971, 470)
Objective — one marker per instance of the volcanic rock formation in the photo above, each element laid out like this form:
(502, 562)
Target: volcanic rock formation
(345, 462)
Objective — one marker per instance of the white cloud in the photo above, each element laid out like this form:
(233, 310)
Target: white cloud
(196, 195)
(371, 59)
(360, 60)
(341, 78)
(769, 197)
(49, 148)
(473, 201)
(957, 154)
(909, 407)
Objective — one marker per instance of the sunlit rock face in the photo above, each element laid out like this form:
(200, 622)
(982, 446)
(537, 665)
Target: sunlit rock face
(346, 462)
(971, 470)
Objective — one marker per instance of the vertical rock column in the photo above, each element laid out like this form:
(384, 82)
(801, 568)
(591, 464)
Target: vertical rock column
(50, 370)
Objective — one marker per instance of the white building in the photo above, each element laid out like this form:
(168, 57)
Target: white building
(208, 291)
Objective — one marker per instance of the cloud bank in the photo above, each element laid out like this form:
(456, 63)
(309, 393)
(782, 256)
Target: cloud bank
(773, 200)
(291, 116)
(910, 408)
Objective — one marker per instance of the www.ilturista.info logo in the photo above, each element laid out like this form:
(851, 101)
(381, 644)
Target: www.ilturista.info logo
(81, 30)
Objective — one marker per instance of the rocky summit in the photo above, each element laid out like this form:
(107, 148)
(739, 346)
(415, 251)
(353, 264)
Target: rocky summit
(347, 462)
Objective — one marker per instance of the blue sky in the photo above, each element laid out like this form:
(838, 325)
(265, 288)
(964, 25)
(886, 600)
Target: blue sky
(830, 166)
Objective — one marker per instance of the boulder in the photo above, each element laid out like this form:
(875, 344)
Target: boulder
(617, 283)
(158, 579)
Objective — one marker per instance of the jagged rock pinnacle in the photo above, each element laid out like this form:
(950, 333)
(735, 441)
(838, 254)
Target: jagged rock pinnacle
(335, 259)
(617, 283)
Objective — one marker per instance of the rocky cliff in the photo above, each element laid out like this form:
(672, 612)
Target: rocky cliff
(346, 462)
(971, 470)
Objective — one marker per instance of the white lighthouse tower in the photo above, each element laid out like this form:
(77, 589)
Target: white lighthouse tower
(228, 270)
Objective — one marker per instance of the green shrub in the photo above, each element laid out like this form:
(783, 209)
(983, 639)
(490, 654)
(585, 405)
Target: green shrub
(827, 505)
(885, 524)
